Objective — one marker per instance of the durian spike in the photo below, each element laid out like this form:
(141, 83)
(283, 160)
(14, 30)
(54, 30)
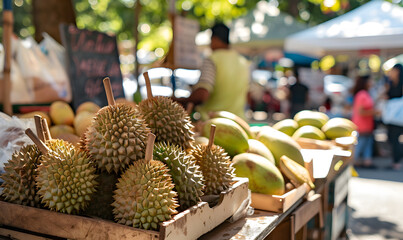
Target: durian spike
(42, 147)
(109, 92)
(39, 128)
(150, 147)
(211, 138)
(189, 108)
(46, 131)
(148, 85)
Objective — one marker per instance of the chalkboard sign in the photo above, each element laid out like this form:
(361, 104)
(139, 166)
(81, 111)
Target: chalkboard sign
(91, 56)
(185, 49)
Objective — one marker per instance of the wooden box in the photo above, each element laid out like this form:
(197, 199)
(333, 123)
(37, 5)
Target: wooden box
(279, 203)
(307, 143)
(189, 224)
(325, 163)
(345, 143)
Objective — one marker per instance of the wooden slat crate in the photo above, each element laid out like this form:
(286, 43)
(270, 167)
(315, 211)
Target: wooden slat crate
(279, 203)
(189, 224)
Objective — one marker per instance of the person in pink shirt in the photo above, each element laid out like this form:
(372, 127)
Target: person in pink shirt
(363, 116)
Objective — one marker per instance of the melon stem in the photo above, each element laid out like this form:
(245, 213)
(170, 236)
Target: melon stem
(212, 134)
(39, 127)
(42, 147)
(148, 85)
(45, 129)
(109, 92)
(150, 147)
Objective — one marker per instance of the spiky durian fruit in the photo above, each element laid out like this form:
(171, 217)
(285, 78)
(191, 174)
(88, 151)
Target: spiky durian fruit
(66, 178)
(144, 196)
(19, 177)
(82, 144)
(59, 146)
(168, 121)
(187, 177)
(216, 167)
(116, 137)
(100, 204)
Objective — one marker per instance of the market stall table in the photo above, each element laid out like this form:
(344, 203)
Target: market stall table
(258, 226)
(331, 171)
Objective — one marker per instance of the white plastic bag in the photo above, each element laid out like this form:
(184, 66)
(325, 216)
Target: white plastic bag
(12, 136)
(45, 77)
(48, 44)
(393, 112)
(52, 67)
(20, 89)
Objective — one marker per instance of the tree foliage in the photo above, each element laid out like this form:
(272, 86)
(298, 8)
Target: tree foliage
(117, 16)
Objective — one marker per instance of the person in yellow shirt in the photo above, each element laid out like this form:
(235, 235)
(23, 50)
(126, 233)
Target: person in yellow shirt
(224, 80)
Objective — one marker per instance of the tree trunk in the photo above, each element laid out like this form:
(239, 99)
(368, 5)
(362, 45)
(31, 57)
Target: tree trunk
(293, 8)
(48, 14)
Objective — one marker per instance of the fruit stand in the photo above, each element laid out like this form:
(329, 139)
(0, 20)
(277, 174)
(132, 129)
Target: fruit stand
(97, 174)
(314, 208)
(220, 180)
(287, 216)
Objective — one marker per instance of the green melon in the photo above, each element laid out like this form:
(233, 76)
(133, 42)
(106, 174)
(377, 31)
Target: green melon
(264, 177)
(280, 144)
(338, 127)
(287, 126)
(229, 135)
(259, 148)
(312, 118)
(309, 132)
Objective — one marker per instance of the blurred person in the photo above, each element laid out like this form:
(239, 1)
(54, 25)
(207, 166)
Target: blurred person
(394, 89)
(363, 116)
(297, 95)
(224, 80)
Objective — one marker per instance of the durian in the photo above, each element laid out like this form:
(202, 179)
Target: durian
(117, 135)
(187, 177)
(19, 177)
(167, 119)
(65, 177)
(144, 196)
(215, 164)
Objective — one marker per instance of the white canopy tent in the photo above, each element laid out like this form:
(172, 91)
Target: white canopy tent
(377, 25)
(264, 27)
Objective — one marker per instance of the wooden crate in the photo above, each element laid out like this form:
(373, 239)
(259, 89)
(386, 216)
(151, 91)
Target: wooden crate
(279, 203)
(189, 224)
(307, 143)
(345, 143)
(325, 163)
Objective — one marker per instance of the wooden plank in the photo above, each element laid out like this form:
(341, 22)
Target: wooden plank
(309, 209)
(324, 161)
(189, 224)
(308, 163)
(200, 219)
(307, 143)
(67, 226)
(276, 203)
(19, 235)
(283, 231)
(255, 227)
(338, 221)
(341, 187)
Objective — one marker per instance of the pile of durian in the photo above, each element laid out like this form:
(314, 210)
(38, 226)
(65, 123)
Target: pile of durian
(116, 172)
